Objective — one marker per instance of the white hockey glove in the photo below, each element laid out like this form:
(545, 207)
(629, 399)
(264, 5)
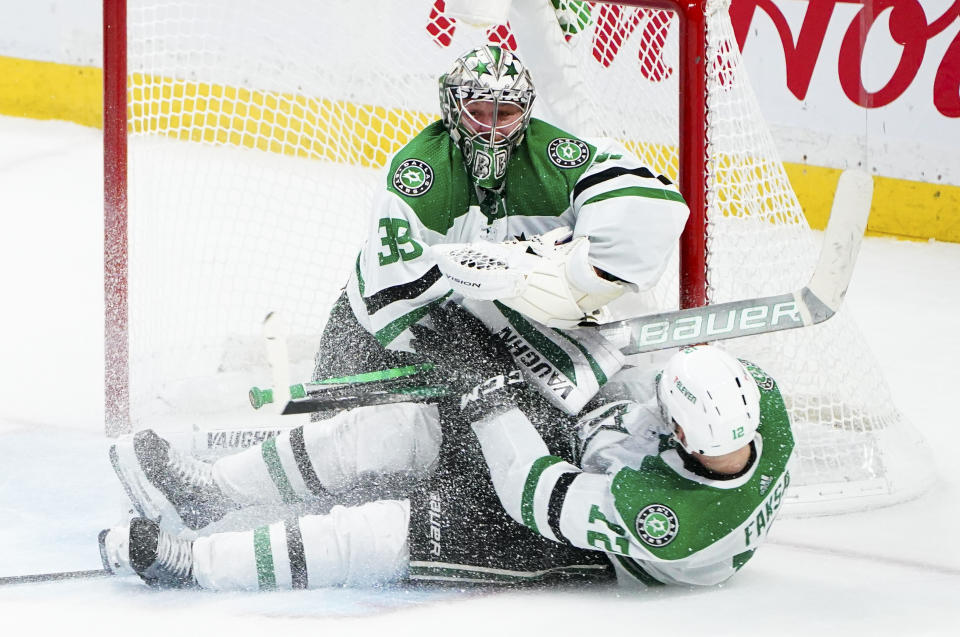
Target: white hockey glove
(547, 278)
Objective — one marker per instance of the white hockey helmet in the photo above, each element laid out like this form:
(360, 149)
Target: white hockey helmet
(712, 396)
(485, 101)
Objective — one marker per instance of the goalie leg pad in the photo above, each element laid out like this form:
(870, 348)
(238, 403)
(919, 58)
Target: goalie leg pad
(350, 546)
(567, 367)
(362, 447)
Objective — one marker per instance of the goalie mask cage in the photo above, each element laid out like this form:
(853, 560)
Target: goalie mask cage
(244, 142)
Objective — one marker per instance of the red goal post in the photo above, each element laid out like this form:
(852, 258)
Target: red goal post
(692, 151)
(116, 351)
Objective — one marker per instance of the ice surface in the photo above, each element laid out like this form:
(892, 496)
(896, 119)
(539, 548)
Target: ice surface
(893, 571)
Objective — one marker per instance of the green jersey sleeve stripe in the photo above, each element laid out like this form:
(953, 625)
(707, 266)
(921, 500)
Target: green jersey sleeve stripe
(530, 487)
(272, 459)
(636, 191)
(263, 554)
(394, 328)
(553, 352)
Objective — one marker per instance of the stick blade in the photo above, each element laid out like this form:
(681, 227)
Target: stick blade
(275, 333)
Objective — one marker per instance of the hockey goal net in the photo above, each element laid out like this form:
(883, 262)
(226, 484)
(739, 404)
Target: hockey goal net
(247, 141)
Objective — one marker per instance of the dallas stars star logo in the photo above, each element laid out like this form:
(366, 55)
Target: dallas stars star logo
(568, 153)
(656, 525)
(413, 177)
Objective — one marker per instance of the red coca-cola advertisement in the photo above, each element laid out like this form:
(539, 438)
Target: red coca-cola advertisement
(908, 25)
(840, 81)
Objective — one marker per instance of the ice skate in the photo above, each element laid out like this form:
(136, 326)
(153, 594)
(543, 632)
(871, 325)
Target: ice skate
(144, 549)
(165, 486)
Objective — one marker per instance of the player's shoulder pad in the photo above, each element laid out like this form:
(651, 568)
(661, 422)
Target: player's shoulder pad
(428, 174)
(774, 418)
(661, 509)
(674, 517)
(564, 151)
(545, 168)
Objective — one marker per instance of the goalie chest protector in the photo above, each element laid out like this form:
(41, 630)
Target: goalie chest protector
(430, 176)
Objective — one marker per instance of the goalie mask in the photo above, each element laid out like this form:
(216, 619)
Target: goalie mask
(712, 397)
(485, 101)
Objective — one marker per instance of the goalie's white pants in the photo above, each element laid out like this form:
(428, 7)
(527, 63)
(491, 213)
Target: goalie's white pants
(362, 447)
(350, 546)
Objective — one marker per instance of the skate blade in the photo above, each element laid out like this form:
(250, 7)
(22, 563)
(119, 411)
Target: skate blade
(146, 499)
(116, 565)
(102, 541)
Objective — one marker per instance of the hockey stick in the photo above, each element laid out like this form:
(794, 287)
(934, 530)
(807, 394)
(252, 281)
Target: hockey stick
(816, 302)
(275, 339)
(53, 577)
(819, 300)
(400, 384)
(348, 398)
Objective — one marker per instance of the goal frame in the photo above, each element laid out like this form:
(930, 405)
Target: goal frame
(692, 104)
(115, 245)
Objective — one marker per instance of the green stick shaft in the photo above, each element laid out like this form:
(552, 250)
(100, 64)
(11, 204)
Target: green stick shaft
(392, 380)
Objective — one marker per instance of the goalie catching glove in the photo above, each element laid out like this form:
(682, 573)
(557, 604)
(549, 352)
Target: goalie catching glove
(548, 278)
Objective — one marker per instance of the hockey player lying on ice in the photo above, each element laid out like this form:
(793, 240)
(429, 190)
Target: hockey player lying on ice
(475, 210)
(532, 228)
(673, 478)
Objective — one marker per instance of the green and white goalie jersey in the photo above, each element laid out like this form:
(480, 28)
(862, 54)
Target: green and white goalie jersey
(660, 517)
(632, 216)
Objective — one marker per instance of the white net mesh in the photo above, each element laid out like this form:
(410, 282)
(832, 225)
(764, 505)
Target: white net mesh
(852, 442)
(257, 141)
